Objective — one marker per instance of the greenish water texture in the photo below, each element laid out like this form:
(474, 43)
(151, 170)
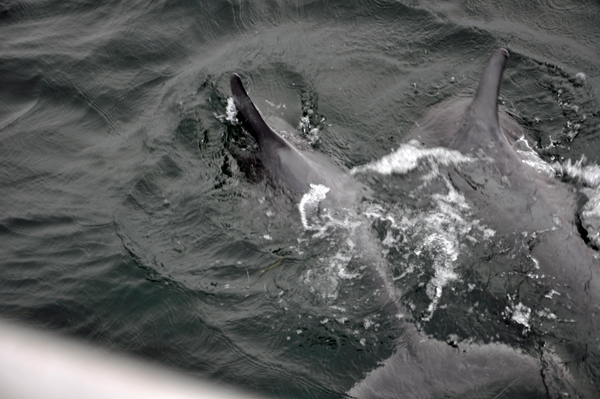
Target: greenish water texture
(129, 219)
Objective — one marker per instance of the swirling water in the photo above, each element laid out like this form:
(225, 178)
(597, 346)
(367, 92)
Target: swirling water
(133, 215)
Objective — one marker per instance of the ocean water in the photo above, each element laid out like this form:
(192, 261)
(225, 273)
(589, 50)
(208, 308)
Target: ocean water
(133, 214)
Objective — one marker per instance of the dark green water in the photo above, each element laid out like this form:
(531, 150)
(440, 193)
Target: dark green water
(127, 219)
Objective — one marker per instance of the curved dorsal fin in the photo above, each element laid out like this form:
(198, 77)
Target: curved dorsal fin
(485, 103)
(480, 124)
(262, 133)
(484, 107)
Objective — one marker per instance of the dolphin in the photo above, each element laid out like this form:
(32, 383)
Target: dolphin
(420, 367)
(517, 198)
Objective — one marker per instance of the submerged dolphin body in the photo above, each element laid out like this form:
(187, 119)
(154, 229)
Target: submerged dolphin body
(420, 367)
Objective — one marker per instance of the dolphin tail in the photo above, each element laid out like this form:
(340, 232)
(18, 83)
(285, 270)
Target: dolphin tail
(259, 129)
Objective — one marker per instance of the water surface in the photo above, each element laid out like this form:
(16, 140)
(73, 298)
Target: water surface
(128, 217)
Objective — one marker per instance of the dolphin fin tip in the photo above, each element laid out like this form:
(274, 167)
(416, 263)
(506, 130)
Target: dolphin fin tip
(237, 87)
(235, 78)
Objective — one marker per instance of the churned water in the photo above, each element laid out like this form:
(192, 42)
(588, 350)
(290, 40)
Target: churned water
(134, 213)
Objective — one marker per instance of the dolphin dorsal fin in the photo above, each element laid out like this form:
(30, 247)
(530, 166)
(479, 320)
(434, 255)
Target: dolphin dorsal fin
(484, 108)
(262, 133)
(480, 125)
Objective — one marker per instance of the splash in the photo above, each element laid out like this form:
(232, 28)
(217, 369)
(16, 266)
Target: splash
(231, 111)
(530, 157)
(408, 157)
(309, 132)
(588, 175)
(519, 314)
(309, 204)
(431, 238)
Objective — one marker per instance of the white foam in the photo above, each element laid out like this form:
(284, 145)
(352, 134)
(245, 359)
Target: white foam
(590, 216)
(450, 224)
(521, 315)
(546, 313)
(340, 229)
(338, 308)
(530, 157)
(339, 261)
(446, 255)
(587, 174)
(317, 193)
(437, 234)
(231, 111)
(408, 156)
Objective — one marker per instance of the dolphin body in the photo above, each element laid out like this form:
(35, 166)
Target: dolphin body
(420, 367)
(521, 201)
(513, 197)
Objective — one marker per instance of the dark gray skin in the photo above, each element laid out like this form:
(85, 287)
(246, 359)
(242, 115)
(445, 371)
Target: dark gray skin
(513, 198)
(294, 168)
(420, 367)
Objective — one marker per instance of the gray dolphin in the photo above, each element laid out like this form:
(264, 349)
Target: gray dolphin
(514, 197)
(420, 367)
